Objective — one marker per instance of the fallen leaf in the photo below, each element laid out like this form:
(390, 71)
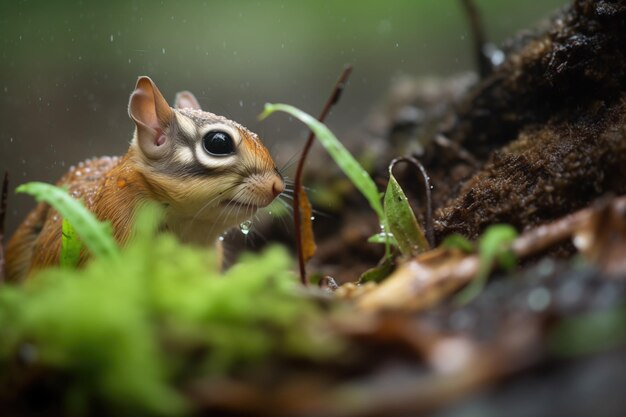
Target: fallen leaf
(306, 227)
(423, 281)
(602, 238)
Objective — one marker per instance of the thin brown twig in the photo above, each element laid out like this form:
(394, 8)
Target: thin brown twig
(3, 212)
(544, 236)
(332, 100)
(478, 37)
(428, 216)
(460, 151)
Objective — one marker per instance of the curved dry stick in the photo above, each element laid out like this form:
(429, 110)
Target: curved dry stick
(478, 36)
(428, 217)
(332, 100)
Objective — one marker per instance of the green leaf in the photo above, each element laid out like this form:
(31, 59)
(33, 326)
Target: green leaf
(379, 272)
(458, 241)
(70, 246)
(383, 238)
(94, 234)
(348, 164)
(401, 220)
(494, 246)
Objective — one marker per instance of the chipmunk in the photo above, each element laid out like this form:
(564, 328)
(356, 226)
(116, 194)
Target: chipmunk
(209, 173)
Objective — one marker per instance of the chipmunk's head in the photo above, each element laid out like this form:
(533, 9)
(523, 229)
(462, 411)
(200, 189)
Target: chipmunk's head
(206, 168)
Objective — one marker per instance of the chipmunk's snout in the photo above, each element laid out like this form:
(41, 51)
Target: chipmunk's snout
(264, 187)
(278, 186)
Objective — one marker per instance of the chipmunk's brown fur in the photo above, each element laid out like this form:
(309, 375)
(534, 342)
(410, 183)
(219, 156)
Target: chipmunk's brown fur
(203, 193)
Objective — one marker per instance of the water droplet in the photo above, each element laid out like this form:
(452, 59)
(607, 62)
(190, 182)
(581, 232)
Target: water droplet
(245, 227)
(240, 103)
(163, 51)
(111, 38)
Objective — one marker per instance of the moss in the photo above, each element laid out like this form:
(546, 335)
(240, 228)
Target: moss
(123, 332)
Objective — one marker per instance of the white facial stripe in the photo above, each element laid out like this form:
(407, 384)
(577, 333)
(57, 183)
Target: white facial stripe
(187, 126)
(210, 161)
(184, 155)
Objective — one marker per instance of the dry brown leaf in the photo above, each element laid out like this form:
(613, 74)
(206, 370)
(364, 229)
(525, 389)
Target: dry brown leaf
(306, 227)
(423, 281)
(602, 238)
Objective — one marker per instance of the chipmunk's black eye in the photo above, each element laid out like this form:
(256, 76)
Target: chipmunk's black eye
(218, 143)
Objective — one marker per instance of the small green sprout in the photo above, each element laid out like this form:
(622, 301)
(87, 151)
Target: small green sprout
(401, 220)
(494, 247)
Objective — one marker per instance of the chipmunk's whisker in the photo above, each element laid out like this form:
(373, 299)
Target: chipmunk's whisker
(290, 162)
(205, 206)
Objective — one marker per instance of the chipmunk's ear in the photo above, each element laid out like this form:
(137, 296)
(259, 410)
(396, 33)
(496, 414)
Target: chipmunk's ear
(186, 100)
(152, 115)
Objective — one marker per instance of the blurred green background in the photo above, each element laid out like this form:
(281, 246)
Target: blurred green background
(67, 67)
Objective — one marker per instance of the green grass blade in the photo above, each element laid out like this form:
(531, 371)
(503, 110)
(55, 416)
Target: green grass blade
(359, 177)
(95, 235)
(70, 246)
(401, 220)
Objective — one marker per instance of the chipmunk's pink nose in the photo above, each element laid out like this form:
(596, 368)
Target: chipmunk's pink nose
(278, 186)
